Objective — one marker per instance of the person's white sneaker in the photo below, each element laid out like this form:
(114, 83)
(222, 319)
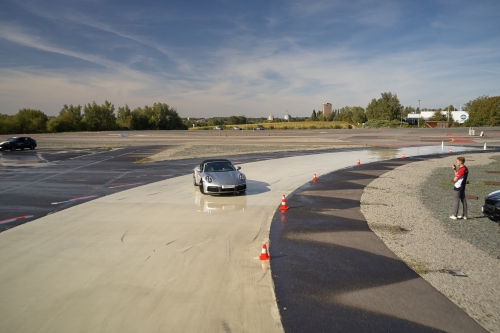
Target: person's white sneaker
(453, 217)
(462, 217)
(465, 217)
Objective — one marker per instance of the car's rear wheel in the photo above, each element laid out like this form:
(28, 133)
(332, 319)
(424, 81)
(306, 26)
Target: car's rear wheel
(22, 148)
(13, 148)
(32, 147)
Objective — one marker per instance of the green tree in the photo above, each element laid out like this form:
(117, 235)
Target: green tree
(100, 117)
(387, 107)
(8, 124)
(319, 116)
(358, 115)
(344, 114)
(235, 120)
(215, 122)
(484, 112)
(313, 115)
(470, 103)
(407, 110)
(124, 117)
(70, 118)
(31, 121)
(331, 116)
(168, 118)
(438, 116)
(139, 120)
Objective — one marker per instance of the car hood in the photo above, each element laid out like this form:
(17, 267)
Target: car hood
(495, 196)
(225, 178)
(4, 142)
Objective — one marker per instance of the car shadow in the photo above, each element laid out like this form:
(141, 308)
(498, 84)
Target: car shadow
(255, 187)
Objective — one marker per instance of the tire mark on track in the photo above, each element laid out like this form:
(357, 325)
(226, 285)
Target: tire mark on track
(61, 173)
(125, 234)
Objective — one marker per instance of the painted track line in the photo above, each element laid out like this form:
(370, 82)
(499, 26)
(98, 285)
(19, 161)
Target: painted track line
(123, 185)
(13, 219)
(75, 199)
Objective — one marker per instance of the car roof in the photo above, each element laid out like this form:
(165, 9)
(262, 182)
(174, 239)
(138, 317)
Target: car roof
(215, 160)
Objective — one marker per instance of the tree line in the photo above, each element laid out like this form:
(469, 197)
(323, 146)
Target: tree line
(384, 111)
(93, 117)
(483, 111)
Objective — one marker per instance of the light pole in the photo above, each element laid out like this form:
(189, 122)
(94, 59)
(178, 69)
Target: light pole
(419, 111)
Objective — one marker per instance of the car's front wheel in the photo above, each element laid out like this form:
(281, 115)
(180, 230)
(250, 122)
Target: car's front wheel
(13, 148)
(202, 191)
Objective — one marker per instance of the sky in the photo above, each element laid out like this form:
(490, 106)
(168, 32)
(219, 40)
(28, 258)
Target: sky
(253, 58)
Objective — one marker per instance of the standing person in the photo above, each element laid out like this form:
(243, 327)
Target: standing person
(460, 180)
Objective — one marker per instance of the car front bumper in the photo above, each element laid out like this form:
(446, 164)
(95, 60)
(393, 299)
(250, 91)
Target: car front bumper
(212, 189)
(492, 212)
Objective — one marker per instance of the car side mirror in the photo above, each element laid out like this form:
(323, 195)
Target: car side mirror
(238, 168)
(197, 168)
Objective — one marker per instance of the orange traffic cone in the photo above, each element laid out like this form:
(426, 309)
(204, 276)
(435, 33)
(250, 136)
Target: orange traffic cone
(283, 203)
(314, 178)
(451, 151)
(403, 156)
(264, 255)
(359, 162)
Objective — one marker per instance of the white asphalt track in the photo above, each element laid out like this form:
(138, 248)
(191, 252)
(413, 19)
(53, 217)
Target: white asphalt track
(153, 259)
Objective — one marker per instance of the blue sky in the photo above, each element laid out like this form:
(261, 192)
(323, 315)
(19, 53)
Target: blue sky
(254, 58)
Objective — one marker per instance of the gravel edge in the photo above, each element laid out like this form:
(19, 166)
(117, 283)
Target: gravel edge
(201, 151)
(428, 248)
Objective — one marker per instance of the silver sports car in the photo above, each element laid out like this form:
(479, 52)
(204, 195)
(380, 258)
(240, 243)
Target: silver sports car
(219, 176)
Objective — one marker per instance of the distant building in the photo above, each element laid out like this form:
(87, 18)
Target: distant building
(270, 117)
(327, 109)
(287, 117)
(459, 116)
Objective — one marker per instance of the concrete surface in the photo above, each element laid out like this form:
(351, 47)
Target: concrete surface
(149, 259)
(41, 182)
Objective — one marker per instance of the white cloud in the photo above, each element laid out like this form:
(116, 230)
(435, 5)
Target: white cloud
(253, 75)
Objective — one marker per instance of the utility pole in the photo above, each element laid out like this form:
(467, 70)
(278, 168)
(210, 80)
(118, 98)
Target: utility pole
(419, 111)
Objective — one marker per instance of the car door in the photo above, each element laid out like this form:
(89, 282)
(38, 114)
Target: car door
(18, 143)
(25, 142)
(197, 172)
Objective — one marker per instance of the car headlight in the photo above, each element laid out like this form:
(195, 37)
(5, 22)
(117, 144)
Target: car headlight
(242, 176)
(208, 179)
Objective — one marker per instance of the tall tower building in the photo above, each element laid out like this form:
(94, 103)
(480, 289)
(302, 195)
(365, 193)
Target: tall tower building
(327, 109)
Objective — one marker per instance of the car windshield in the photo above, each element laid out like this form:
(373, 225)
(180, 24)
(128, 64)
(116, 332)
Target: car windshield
(12, 139)
(218, 167)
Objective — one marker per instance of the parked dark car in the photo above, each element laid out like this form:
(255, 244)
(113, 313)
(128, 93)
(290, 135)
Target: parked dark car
(491, 206)
(18, 143)
(258, 128)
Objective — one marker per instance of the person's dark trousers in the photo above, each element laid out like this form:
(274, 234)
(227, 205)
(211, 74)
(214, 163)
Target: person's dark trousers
(460, 197)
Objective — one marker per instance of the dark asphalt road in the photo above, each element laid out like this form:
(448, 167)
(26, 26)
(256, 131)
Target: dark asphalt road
(40, 182)
(333, 274)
